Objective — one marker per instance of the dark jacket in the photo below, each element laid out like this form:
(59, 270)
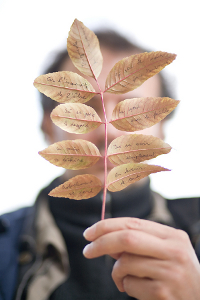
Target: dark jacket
(18, 233)
(11, 227)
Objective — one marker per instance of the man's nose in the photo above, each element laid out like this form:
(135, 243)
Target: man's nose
(110, 101)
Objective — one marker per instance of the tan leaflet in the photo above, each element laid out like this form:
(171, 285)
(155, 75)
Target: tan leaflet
(72, 154)
(78, 188)
(130, 72)
(122, 176)
(76, 118)
(84, 50)
(65, 87)
(136, 148)
(140, 113)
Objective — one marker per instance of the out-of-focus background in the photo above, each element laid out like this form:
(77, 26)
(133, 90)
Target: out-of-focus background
(30, 33)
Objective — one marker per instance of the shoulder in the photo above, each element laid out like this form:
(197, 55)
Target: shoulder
(12, 222)
(185, 211)
(14, 226)
(11, 225)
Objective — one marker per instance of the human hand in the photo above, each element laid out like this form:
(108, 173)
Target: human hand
(153, 261)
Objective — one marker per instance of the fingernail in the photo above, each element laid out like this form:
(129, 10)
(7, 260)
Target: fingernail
(89, 233)
(85, 233)
(86, 250)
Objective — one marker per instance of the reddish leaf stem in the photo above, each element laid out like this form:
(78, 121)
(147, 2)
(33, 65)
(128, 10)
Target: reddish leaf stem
(105, 160)
(105, 154)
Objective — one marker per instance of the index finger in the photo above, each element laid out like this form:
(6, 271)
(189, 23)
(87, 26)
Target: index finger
(129, 241)
(115, 224)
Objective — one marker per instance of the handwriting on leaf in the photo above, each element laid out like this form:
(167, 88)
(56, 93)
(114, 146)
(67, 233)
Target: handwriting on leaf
(78, 188)
(140, 113)
(65, 87)
(84, 50)
(136, 148)
(130, 72)
(72, 154)
(76, 118)
(122, 176)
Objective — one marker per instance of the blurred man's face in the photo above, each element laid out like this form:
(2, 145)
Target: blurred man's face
(150, 88)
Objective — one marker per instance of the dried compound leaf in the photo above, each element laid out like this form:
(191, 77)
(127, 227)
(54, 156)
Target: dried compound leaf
(122, 176)
(78, 188)
(136, 148)
(76, 118)
(65, 87)
(72, 154)
(84, 50)
(130, 72)
(140, 113)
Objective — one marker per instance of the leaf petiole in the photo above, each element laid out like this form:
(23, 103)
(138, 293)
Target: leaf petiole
(105, 160)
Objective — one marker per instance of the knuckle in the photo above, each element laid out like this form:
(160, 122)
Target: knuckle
(133, 223)
(182, 235)
(128, 238)
(120, 266)
(178, 276)
(179, 248)
(115, 271)
(127, 284)
(101, 227)
(160, 292)
(180, 254)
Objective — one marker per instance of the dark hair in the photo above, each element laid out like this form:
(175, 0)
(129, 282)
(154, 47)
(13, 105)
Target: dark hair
(113, 41)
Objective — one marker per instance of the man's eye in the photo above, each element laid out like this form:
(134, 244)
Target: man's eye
(99, 111)
(96, 104)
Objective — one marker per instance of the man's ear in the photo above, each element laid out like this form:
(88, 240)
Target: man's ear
(47, 128)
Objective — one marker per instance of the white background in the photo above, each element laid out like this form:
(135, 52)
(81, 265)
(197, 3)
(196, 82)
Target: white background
(32, 30)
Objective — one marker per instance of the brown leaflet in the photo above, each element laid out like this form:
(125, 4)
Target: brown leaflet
(140, 113)
(122, 176)
(136, 148)
(130, 72)
(78, 188)
(76, 118)
(72, 154)
(65, 87)
(84, 50)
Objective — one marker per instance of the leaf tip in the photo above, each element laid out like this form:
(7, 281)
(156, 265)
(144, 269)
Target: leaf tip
(52, 194)
(34, 83)
(163, 169)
